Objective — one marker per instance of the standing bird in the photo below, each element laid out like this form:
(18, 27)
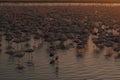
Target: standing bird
(19, 55)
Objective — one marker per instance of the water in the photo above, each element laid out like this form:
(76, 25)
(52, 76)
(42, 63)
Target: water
(93, 66)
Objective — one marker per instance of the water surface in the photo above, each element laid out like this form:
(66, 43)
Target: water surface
(93, 66)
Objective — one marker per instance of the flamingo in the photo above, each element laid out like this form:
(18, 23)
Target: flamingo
(20, 55)
(30, 55)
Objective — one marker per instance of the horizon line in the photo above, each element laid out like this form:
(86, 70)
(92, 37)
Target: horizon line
(59, 4)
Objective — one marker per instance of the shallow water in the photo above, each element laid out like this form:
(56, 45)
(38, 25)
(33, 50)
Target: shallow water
(93, 66)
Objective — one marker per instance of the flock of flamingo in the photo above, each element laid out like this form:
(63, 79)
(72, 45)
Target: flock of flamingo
(58, 30)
